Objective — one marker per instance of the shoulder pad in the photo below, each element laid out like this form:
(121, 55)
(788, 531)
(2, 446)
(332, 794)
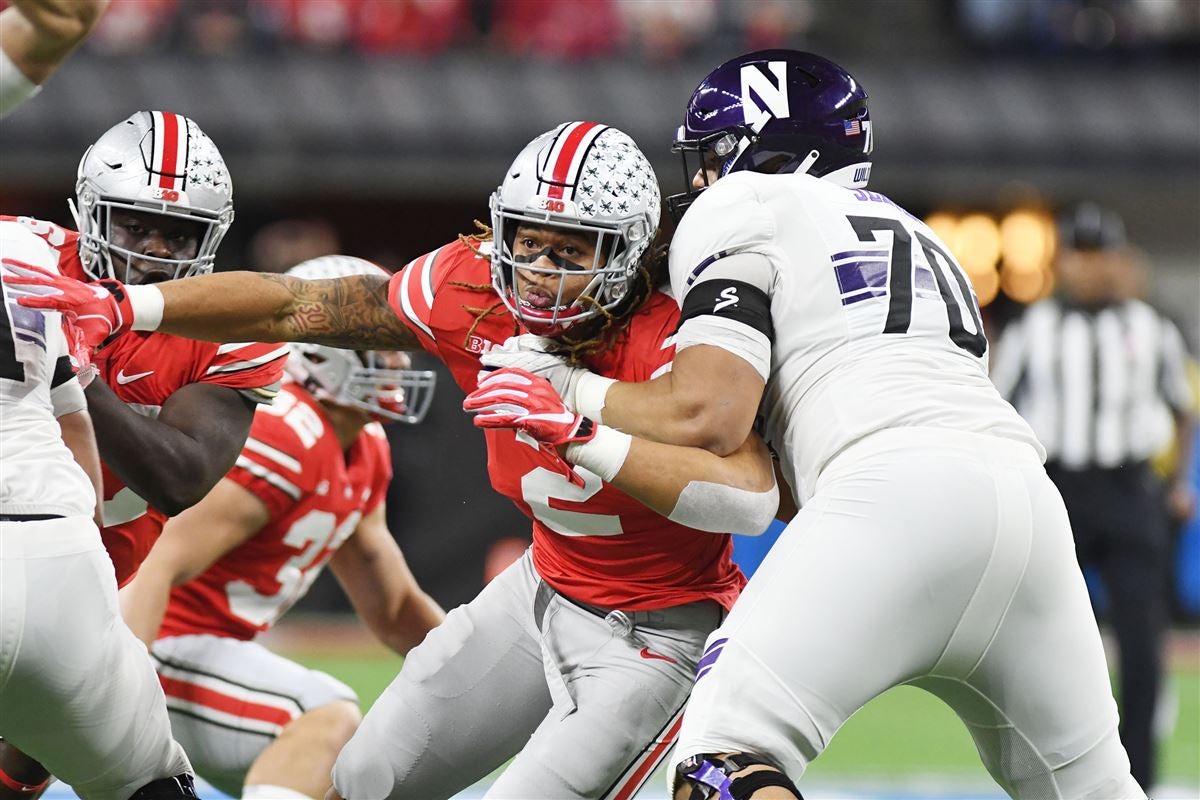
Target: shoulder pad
(728, 218)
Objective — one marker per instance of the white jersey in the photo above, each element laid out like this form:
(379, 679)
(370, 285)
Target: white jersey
(38, 474)
(875, 324)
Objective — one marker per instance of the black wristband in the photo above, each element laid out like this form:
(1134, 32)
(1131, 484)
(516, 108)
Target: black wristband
(749, 784)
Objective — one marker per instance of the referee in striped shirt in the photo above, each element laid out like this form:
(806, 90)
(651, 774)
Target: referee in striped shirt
(1101, 378)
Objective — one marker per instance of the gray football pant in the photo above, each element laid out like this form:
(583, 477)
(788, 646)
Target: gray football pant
(587, 708)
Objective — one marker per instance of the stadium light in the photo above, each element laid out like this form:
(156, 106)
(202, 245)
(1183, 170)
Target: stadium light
(1024, 286)
(1026, 241)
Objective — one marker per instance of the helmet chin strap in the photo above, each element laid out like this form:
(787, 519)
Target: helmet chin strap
(808, 161)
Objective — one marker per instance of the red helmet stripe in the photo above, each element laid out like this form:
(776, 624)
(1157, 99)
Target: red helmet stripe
(170, 141)
(566, 166)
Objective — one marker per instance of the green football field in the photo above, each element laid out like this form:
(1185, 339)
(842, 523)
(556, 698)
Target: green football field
(905, 733)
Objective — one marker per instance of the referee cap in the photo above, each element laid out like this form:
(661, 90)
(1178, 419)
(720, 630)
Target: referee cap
(1088, 226)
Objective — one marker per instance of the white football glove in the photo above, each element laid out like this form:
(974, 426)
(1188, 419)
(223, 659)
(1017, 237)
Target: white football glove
(530, 353)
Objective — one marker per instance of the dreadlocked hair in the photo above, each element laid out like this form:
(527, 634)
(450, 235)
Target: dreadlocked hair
(483, 233)
(590, 336)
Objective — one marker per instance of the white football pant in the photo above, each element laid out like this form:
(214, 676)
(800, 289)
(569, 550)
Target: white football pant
(933, 558)
(77, 689)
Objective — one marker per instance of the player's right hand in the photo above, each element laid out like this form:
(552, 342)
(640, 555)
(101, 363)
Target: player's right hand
(99, 310)
(79, 351)
(517, 399)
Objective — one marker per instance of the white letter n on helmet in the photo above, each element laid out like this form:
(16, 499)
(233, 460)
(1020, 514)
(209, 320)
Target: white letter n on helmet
(774, 95)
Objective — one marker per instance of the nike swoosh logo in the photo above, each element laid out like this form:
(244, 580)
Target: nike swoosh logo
(645, 653)
(123, 379)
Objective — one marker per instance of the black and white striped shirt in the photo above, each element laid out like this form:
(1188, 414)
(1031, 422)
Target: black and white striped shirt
(1097, 385)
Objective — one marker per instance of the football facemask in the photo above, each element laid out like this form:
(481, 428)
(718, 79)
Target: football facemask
(159, 163)
(380, 383)
(363, 380)
(580, 178)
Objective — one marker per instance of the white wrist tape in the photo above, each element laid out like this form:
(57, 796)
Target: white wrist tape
(147, 304)
(719, 508)
(590, 391)
(266, 791)
(15, 88)
(604, 454)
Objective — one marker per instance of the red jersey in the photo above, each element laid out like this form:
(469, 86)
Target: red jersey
(316, 495)
(144, 369)
(595, 544)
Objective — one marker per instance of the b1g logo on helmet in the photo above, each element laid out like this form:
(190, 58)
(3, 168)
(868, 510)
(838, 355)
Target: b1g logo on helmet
(553, 205)
(773, 95)
(169, 195)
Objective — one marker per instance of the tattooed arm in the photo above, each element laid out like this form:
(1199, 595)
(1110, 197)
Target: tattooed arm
(349, 312)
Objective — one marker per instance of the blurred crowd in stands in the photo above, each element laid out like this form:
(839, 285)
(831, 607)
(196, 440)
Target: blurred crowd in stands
(576, 30)
(1056, 26)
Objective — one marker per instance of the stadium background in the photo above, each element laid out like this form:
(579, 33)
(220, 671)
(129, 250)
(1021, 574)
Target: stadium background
(379, 127)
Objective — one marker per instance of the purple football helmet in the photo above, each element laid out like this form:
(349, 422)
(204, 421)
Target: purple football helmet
(776, 111)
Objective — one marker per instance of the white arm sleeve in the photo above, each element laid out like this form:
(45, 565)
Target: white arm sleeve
(67, 398)
(15, 88)
(719, 508)
(66, 395)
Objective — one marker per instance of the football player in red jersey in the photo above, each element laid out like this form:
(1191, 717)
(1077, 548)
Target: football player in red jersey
(578, 658)
(153, 200)
(307, 490)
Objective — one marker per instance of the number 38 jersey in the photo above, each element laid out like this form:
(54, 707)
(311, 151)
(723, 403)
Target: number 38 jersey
(593, 543)
(316, 496)
(875, 325)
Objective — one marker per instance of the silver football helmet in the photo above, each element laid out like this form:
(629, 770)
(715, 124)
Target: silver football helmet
(377, 382)
(583, 177)
(157, 162)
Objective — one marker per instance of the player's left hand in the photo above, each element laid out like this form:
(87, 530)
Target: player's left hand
(100, 310)
(518, 399)
(533, 354)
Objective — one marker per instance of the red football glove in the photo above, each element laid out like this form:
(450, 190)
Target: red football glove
(79, 351)
(514, 398)
(100, 310)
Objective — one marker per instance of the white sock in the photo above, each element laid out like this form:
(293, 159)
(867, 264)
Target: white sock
(265, 791)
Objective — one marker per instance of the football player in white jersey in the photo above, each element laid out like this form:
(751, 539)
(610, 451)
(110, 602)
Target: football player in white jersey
(77, 690)
(931, 549)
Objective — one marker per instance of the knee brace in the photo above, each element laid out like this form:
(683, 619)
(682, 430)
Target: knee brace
(179, 787)
(708, 773)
